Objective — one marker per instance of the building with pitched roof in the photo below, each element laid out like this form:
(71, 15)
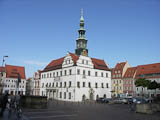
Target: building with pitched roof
(149, 72)
(10, 79)
(129, 81)
(76, 76)
(118, 73)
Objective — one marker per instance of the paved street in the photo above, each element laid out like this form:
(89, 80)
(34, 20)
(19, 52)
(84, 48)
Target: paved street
(72, 111)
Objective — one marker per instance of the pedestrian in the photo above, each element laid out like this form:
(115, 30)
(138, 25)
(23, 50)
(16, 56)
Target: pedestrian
(4, 103)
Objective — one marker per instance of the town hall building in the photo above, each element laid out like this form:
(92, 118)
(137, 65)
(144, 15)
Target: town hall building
(76, 76)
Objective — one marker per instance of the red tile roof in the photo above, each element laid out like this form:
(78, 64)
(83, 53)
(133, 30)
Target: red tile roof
(100, 64)
(118, 68)
(130, 72)
(2, 69)
(57, 64)
(53, 65)
(11, 71)
(74, 58)
(148, 69)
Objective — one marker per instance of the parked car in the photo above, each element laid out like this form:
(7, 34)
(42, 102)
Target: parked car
(149, 100)
(107, 100)
(120, 101)
(100, 100)
(129, 100)
(139, 100)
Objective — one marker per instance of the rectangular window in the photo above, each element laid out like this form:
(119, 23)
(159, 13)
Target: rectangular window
(83, 84)
(64, 84)
(52, 84)
(78, 84)
(96, 74)
(57, 74)
(70, 72)
(53, 74)
(56, 84)
(106, 75)
(96, 85)
(89, 85)
(78, 71)
(47, 75)
(60, 95)
(69, 95)
(65, 72)
(102, 74)
(70, 83)
(102, 85)
(60, 84)
(89, 73)
(64, 95)
(107, 85)
(60, 73)
(50, 75)
(84, 72)
(87, 62)
(82, 61)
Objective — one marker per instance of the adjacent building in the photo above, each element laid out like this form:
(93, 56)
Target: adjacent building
(129, 81)
(2, 74)
(124, 78)
(117, 78)
(150, 72)
(37, 78)
(76, 76)
(11, 75)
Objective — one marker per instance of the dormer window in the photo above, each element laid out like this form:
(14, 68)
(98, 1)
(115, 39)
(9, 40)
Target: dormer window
(82, 61)
(87, 62)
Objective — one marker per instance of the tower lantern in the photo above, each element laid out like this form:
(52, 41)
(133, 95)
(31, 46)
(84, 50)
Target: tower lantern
(81, 42)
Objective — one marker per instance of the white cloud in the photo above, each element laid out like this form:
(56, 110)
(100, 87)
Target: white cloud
(32, 62)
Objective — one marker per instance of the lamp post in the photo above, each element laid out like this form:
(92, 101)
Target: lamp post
(1, 75)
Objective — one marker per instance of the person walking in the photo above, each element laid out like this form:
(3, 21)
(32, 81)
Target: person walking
(4, 103)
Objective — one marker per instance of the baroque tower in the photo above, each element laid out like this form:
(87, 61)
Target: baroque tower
(81, 42)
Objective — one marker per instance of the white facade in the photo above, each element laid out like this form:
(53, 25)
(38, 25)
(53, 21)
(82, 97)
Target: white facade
(76, 82)
(141, 91)
(36, 90)
(10, 86)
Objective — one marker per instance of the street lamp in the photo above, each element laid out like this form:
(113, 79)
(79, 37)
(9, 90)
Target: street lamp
(4, 59)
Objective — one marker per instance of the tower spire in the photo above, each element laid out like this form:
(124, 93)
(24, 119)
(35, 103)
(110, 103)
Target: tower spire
(81, 42)
(81, 11)
(82, 19)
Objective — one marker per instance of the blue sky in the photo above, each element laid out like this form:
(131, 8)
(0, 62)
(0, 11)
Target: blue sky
(34, 32)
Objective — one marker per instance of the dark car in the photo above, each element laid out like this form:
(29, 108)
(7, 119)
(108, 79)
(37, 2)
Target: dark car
(107, 100)
(129, 100)
(100, 100)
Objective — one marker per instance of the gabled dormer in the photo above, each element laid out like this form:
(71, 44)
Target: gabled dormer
(85, 62)
(69, 60)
